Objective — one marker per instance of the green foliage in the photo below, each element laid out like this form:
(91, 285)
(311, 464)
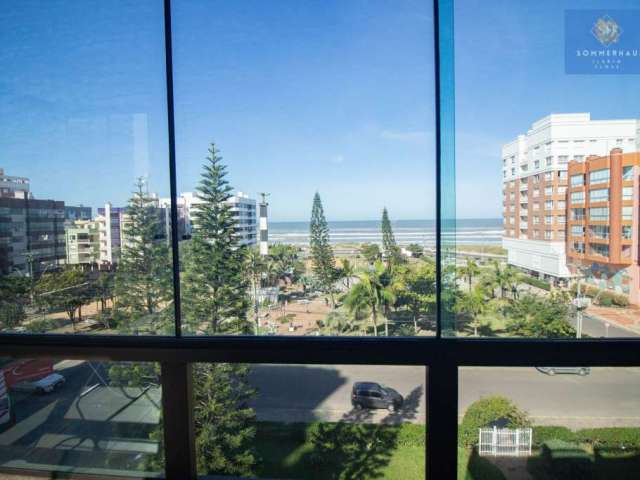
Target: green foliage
(483, 412)
(337, 323)
(143, 283)
(536, 282)
(346, 271)
(533, 316)
(14, 295)
(614, 437)
(472, 304)
(601, 297)
(469, 270)
(415, 249)
(321, 251)
(543, 434)
(214, 284)
(286, 262)
(224, 424)
(389, 246)
(371, 252)
(67, 290)
(416, 291)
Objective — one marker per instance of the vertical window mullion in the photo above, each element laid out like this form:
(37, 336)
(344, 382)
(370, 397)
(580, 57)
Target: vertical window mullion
(442, 419)
(172, 167)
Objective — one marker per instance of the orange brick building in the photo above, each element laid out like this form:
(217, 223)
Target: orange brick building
(602, 221)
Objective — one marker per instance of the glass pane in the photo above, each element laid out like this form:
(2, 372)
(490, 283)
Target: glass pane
(586, 425)
(80, 416)
(327, 108)
(310, 421)
(548, 147)
(84, 238)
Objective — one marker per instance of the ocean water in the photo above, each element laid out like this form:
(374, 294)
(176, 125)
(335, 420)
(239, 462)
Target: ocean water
(468, 231)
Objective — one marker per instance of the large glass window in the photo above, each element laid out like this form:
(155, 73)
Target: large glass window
(599, 176)
(599, 195)
(86, 166)
(81, 416)
(312, 117)
(577, 180)
(577, 197)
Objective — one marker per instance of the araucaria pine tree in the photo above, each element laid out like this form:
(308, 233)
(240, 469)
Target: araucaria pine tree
(389, 245)
(321, 251)
(214, 288)
(143, 283)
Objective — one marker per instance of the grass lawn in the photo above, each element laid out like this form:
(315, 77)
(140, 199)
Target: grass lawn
(340, 451)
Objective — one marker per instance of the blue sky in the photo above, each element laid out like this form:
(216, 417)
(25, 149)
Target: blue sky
(331, 95)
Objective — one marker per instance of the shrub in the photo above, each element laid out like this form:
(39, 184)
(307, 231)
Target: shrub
(545, 434)
(604, 297)
(627, 437)
(536, 282)
(487, 410)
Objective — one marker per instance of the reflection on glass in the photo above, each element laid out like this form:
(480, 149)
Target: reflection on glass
(84, 237)
(305, 166)
(544, 252)
(80, 416)
(310, 422)
(586, 425)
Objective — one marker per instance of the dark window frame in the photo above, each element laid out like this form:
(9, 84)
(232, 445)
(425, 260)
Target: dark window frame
(443, 354)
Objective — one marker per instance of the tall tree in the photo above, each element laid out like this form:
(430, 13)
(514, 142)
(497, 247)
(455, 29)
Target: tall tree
(215, 288)
(143, 283)
(472, 304)
(67, 290)
(255, 267)
(418, 294)
(469, 270)
(321, 251)
(389, 246)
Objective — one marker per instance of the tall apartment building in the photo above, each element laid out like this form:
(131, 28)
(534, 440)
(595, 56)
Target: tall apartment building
(602, 234)
(82, 240)
(534, 170)
(31, 230)
(110, 220)
(73, 213)
(243, 210)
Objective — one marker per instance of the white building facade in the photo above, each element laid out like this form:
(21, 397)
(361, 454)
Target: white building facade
(243, 210)
(534, 170)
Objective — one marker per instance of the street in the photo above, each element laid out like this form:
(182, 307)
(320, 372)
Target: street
(594, 327)
(606, 397)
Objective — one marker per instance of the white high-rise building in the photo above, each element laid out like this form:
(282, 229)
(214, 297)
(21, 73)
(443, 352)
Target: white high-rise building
(534, 170)
(243, 209)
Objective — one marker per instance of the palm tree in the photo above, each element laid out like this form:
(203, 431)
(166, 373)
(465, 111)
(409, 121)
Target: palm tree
(255, 267)
(470, 270)
(368, 295)
(472, 304)
(347, 271)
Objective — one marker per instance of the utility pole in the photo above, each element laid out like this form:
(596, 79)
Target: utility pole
(264, 230)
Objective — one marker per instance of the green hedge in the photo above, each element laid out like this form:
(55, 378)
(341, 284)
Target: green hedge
(545, 434)
(628, 437)
(604, 297)
(536, 282)
(485, 411)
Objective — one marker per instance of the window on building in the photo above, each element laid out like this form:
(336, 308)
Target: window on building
(578, 158)
(627, 232)
(577, 230)
(536, 206)
(536, 192)
(562, 219)
(627, 173)
(536, 179)
(577, 197)
(536, 164)
(562, 174)
(627, 193)
(536, 220)
(549, 161)
(548, 176)
(548, 191)
(562, 190)
(560, 235)
(627, 213)
(561, 204)
(577, 213)
(548, 219)
(513, 171)
(599, 214)
(599, 249)
(577, 180)
(578, 247)
(547, 234)
(599, 176)
(548, 205)
(563, 159)
(599, 231)
(599, 195)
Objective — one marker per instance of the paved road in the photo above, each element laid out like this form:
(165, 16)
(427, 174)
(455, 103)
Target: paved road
(606, 397)
(594, 327)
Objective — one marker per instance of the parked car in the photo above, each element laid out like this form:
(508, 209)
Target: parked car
(582, 371)
(374, 395)
(45, 385)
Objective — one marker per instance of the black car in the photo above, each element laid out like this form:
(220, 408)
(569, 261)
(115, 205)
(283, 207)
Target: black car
(374, 395)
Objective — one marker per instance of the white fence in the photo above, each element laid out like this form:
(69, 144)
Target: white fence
(505, 442)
